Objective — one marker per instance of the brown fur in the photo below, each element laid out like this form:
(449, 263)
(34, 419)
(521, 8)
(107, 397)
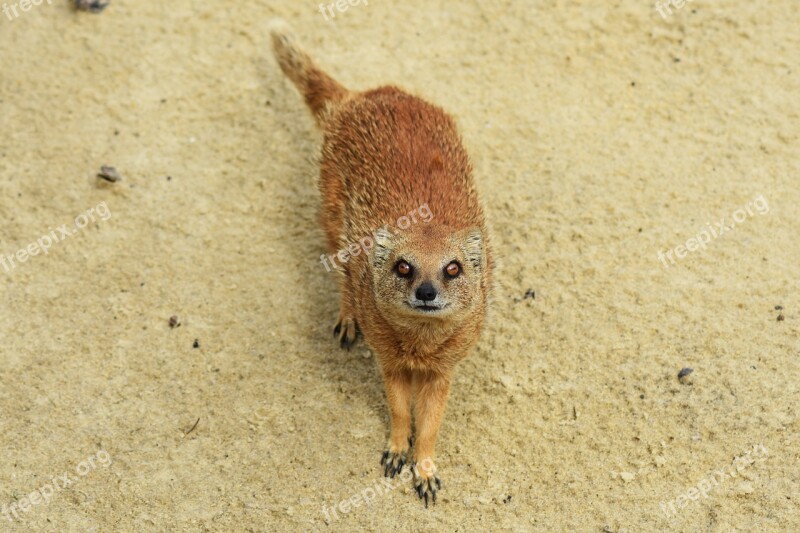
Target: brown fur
(385, 154)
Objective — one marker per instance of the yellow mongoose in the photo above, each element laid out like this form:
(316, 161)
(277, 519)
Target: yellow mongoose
(419, 296)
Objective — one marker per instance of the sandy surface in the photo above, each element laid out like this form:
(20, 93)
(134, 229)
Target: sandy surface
(602, 134)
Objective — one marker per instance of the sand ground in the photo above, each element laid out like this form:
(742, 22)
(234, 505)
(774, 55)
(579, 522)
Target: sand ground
(602, 134)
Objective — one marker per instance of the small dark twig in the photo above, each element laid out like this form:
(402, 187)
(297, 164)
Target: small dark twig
(193, 427)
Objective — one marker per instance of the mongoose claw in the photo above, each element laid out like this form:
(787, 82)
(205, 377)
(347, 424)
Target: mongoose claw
(346, 331)
(393, 463)
(427, 488)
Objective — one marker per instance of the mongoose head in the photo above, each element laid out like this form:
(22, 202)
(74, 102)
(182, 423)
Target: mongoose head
(428, 272)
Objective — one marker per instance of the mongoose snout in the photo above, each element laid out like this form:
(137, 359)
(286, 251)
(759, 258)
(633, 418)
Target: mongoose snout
(426, 292)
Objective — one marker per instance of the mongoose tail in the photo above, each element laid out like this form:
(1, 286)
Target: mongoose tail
(321, 92)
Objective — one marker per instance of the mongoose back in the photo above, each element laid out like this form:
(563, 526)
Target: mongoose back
(394, 174)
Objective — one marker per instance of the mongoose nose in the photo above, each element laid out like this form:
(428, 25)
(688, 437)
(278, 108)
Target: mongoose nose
(426, 292)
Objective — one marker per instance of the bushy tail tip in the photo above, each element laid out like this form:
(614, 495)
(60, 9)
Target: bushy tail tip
(318, 88)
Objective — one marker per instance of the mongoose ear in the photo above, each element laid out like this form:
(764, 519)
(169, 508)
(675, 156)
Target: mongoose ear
(474, 247)
(383, 247)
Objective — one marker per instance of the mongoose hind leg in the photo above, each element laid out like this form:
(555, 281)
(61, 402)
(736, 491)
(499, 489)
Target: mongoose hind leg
(346, 331)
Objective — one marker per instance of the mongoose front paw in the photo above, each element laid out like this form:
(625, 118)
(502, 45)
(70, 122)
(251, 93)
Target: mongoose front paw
(426, 482)
(346, 331)
(393, 462)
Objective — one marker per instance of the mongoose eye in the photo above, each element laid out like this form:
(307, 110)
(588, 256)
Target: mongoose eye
(403, 269)
(452, 270)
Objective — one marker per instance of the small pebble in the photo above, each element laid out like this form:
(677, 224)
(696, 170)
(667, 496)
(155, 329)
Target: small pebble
(530, 293)
(684, 376)
(780, 317)
(93, 6)
(196, 343)
(779, 308)
(174, 321)
(109, 174)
